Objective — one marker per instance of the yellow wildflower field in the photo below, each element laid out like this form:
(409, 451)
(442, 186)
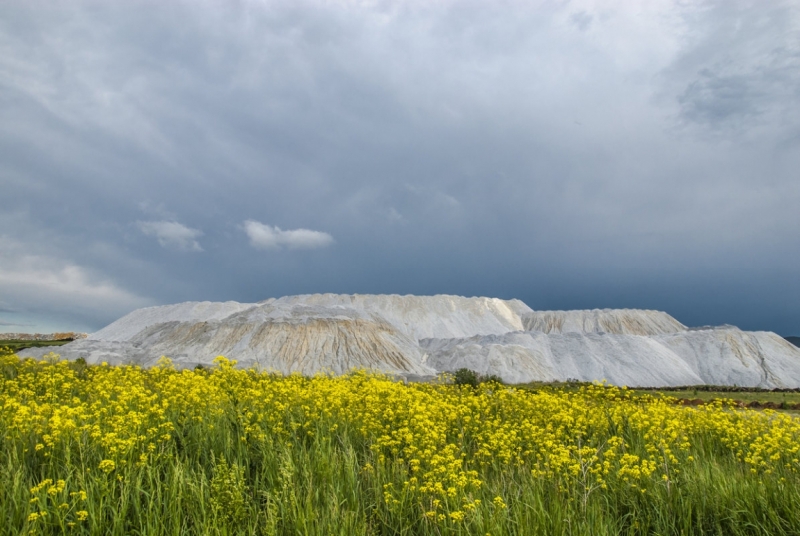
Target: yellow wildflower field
(104, 450)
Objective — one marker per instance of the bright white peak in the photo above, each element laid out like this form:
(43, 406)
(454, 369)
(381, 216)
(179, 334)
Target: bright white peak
(425, 317)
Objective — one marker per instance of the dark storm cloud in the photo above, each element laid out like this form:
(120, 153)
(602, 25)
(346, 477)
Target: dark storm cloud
(714, 100)
(570, 154)
(743, 69)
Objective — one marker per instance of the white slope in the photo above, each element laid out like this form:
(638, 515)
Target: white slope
(729, 356)
(424, 317)
(713, 356)
(282, 338)
(535, 356)
(516, 357)
(618, 321)
(290, 339)
(129, 325)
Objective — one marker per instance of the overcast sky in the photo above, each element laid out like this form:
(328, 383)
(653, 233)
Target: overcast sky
(572, 154)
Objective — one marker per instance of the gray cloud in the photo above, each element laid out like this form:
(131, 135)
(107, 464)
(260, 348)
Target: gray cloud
(582, 20)
(743, 68)
(714, 100)
(42, 284)
(172, 235)
(571, 155)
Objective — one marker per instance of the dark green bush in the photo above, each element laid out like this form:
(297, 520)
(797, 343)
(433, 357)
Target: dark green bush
(465, 376)
(493, 378)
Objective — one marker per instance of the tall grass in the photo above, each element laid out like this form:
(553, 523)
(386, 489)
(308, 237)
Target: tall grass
(313, 472)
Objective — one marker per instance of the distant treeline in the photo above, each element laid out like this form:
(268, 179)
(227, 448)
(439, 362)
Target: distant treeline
(720, 389)
(753, 404)
(793, 340)
(16, 345)
(62, 336)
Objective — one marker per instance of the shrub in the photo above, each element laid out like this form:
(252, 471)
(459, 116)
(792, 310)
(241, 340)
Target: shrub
(465, 376)
(492, 378)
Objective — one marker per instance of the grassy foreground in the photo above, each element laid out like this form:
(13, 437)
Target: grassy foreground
(121, 450)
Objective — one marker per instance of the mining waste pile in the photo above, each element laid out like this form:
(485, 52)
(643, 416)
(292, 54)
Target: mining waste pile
(418, 337)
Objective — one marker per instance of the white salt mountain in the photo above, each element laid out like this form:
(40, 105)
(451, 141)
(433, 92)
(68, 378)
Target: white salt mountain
(420, 336)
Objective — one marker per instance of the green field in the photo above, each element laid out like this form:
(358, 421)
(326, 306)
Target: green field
(123, 450)
(777, 397)
(742, 396)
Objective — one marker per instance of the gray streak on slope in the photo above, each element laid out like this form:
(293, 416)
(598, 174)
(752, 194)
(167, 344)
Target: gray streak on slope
(618, 321)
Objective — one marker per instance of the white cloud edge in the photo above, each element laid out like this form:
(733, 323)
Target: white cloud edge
(264, 236)
(172, 234)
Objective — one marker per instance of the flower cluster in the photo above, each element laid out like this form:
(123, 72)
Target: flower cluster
(431, 444)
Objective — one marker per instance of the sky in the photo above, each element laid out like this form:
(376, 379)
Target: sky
(571, 154)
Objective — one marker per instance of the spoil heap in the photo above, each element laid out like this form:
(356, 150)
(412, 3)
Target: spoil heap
(420, 336)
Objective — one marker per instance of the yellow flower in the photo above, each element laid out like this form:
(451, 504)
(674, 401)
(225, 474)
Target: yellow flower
(457, 516)
(499, 503)
(107, 466)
